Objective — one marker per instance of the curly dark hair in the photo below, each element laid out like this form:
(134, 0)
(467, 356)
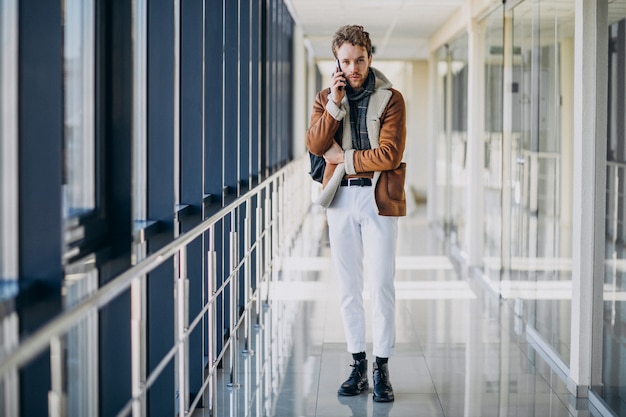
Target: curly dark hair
(353, 34)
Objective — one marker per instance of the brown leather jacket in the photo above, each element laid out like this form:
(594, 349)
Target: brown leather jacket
(386, 127)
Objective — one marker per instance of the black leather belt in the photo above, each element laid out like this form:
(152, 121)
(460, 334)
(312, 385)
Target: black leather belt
(356, 182)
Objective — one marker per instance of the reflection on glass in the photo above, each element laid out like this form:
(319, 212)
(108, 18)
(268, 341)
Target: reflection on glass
(538, 97)
(529, 64)
(492, 178)
(613, 347)
(452, 137)
(78, 147)
(441, 134)
(457, 128)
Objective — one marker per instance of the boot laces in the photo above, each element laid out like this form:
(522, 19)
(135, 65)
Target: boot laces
(381, 375)
(355, 374)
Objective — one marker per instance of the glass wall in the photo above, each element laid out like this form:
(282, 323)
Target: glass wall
(79, 194)
(452, 137)
(79, 142)
(614, 322)
(527, 175)
(492, 171)
(538, 143)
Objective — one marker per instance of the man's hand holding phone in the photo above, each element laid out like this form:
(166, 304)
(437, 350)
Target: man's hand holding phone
(338, 85)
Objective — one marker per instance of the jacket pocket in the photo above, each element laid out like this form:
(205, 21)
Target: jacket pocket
(395, 182)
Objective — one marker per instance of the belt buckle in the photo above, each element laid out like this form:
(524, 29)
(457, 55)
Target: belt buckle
(358, 182)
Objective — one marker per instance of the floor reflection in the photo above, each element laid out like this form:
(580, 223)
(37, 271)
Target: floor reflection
(460, 350)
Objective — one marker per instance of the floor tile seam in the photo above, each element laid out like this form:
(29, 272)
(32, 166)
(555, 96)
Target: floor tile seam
(406, 310)
(434, 385)
(319, 379)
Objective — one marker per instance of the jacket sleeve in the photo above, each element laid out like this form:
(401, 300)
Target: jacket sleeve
(325, 120)
(392, 141)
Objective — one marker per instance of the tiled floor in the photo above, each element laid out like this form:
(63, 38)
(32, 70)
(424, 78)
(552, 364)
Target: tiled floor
(460, 350)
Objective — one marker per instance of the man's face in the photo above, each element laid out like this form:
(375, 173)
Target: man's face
(355, 64)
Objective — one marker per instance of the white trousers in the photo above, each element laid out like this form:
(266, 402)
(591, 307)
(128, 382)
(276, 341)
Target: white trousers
(357, 235)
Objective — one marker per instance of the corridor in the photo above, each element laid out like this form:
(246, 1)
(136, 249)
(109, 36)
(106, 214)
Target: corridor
(460, 350)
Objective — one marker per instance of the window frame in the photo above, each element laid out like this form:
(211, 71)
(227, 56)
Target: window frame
(8, 142)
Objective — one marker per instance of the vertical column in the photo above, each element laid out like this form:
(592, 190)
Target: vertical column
(433, 63)
(192, 61)
(507, 129)
(138, 345)
(247, 276)
(182, 323)
(245, 83)
(447, 217)
(139, 204)
(40, 127)
(40, 147)
(214, 91)
(140, 107)
(114, 122)
(233, 301)
(590, 101)
(8, 140)
(475, 145)
(300, 97)
(230, 138)
(264, 88)
(211, 321)
(162, 191)
(255, 87)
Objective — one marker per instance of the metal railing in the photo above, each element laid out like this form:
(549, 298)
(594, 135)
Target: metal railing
(267, 218)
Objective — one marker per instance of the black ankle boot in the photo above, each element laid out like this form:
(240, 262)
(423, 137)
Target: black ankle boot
(383, 392)
(357, 381)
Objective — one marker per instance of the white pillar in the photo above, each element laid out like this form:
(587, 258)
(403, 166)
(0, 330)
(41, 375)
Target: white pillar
(475, 146)
(590, 101)
(506, 150)
(432, 208)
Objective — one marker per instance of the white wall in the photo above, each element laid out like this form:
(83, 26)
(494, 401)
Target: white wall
(419, 119)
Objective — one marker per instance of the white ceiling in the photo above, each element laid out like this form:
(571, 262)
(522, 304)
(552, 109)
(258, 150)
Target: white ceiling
(399, 29)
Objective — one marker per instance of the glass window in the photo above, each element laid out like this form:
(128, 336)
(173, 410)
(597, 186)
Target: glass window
(613, 389)
(452, 136)
(529, 61)
(494, 55)
(538, 139)
(79, 138)
(140, 154)
(457, 137)
(8, 139)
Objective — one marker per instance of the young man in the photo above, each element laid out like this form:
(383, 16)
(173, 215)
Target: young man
(359, 127)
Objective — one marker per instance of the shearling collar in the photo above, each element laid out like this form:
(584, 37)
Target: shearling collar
(381, 81)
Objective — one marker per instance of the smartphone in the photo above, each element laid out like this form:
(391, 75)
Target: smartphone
(338, 70)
